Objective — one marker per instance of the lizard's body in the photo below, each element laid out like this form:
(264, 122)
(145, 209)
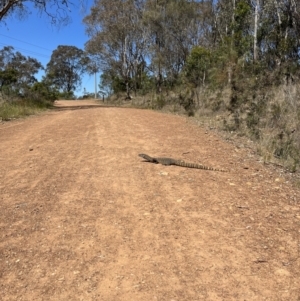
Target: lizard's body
(170, 161)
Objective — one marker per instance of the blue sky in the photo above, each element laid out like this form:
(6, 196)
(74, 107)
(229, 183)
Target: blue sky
(34, 36)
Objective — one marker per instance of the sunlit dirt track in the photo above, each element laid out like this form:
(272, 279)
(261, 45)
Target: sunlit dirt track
(82, 217)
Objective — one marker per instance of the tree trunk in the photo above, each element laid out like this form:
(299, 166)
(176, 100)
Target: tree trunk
(233, 16)
(229, 70)
(128, 97)
(232, 39)
(256, 19)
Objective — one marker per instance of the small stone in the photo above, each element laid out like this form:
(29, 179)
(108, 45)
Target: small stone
(280, 180)
(163, 173)
(282, 272)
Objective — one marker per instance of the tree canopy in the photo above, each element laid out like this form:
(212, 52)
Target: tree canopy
(132, 38)
(65, 68)
(17, 72)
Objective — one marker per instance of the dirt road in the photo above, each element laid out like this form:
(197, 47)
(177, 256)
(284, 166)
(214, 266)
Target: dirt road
(84, 218)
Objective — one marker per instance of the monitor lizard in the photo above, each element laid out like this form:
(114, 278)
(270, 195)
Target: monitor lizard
(170, 161)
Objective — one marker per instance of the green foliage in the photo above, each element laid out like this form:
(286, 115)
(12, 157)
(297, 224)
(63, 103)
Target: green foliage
(186, 100)
(223, 59)
(241, 38)
(65, 95)
(160, 102)
(146, 84)
(33, 99)
(241, 12)
(40, 91)
(66, 66)
(197, 65)
(111, 82)
(90, 96)
(16, 72)
(8, 77)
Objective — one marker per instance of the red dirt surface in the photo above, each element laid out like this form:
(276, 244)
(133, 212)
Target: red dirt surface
(84, 218)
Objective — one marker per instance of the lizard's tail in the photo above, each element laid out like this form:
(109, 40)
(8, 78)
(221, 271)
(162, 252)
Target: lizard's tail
(198, 166)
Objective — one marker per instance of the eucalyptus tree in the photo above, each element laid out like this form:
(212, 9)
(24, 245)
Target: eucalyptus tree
(118, 38)
(17, 72)
(175, 26)
(280, 31)
(65, 68)
(26, 67)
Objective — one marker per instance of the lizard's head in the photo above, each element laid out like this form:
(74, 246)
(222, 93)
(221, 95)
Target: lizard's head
(143, 155)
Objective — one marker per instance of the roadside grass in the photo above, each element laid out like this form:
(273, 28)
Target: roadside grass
(17, 109)
(270, 121)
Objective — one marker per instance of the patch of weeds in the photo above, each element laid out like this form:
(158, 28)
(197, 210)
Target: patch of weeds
(17, 109)
(188, 103)
(285, 149)
(160, 102)
(233, 124)
(253, 118)
(275, 113)
(216, 104)
(252, 122)
(278, 114)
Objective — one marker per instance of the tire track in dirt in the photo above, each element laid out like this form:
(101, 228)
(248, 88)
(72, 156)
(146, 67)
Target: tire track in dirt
(84, 218)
